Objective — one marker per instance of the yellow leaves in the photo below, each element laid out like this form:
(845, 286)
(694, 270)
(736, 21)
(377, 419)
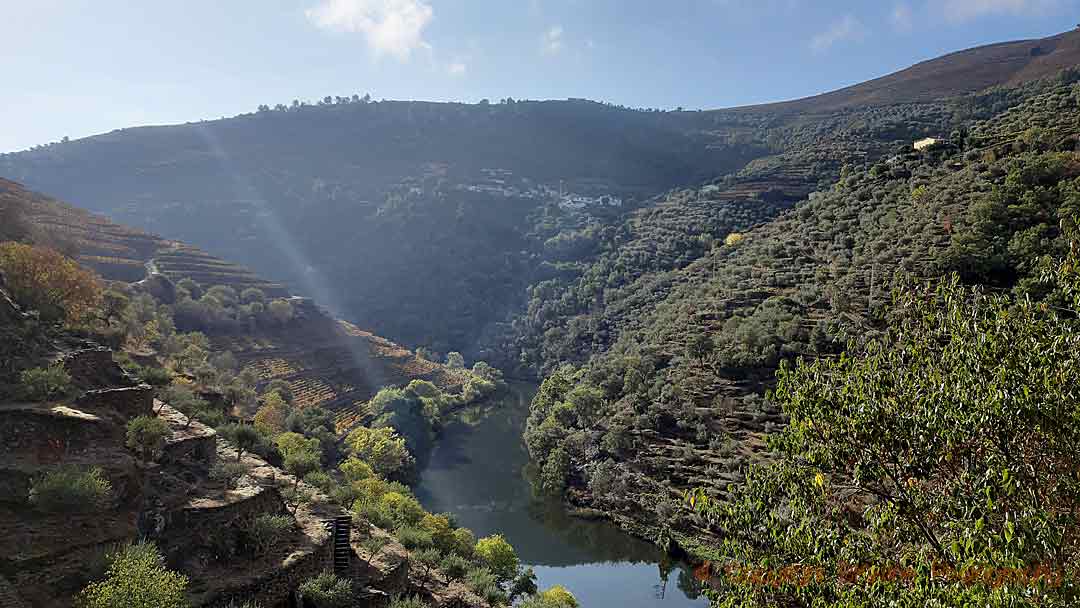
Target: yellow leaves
(45, 280)
(819, 480)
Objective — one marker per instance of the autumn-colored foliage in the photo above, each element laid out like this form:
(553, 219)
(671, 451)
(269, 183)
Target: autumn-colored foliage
(45, 280)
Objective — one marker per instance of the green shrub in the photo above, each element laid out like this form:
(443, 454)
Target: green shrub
(455, 566)
(244, 437)
(407, 602)
(498, 556)
(156, 376)
(137, 578)
(327, 591)
(485, 584)
(146, 435)
(404, 509)
(210, 417)
(555, 597)
(267, 531)
(478, 578)
(44, 383)
(428, 558)
(71, 489)
(464, 542)
(413, 538)
(321, 480)
(228, 473)
(374, 512)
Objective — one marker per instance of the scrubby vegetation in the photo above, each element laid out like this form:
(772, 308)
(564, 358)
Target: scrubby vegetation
(267, 531)
(146, 435)
(327, 591)
(71, 489)
(678, 401)
(944, 448)
(44, 383)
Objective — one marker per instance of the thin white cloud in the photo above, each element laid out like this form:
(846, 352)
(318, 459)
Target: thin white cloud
(552, 40)
(847, 28)
(390, 27)
(457, 68)
(966, 10)
(901, 17)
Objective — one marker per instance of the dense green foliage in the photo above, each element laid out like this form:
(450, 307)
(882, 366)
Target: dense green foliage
(948, 444)
(137, 578)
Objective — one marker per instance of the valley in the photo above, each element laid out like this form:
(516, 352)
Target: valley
(466, 353)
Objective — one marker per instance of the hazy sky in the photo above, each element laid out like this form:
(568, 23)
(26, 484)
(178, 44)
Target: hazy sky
(80, 67)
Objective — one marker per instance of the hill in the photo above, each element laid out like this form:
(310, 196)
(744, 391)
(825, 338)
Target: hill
(677, 397)
(418, 220)
(959, 73)
(326, 362)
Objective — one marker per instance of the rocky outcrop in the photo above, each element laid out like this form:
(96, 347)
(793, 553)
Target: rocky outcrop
(93, 367)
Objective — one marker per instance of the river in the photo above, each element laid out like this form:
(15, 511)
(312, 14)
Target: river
(477, 472)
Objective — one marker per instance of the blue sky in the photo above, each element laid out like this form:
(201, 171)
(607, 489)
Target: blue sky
(80, 67)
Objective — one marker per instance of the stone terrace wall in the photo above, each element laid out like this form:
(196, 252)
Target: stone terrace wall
(273, 589)
(205, 517)
(129, 401)
(94, 367)
(196, 451)
(46, 434)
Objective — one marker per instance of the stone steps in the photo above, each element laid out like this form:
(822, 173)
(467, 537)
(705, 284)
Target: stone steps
(340, 529)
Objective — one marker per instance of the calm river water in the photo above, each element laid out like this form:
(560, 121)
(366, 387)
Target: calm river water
(476, 472)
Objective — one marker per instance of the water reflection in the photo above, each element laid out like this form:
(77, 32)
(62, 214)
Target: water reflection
(478, 472)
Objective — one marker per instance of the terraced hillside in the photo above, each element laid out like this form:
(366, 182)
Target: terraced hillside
(120, 253)
(328, 363)
(358, 195)
(679, 399)
(604, 276)
(332, 365)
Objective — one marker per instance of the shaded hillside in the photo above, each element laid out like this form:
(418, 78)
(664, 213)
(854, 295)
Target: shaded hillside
(1005, 63)
(326, 362)
(343, 200)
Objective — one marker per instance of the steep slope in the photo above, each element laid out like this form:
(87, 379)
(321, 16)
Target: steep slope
(967, 71)
(356, 194)
(679, 402)
(414, 219)
(327, 362)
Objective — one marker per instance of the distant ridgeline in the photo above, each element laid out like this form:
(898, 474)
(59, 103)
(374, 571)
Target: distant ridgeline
(428, 222)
